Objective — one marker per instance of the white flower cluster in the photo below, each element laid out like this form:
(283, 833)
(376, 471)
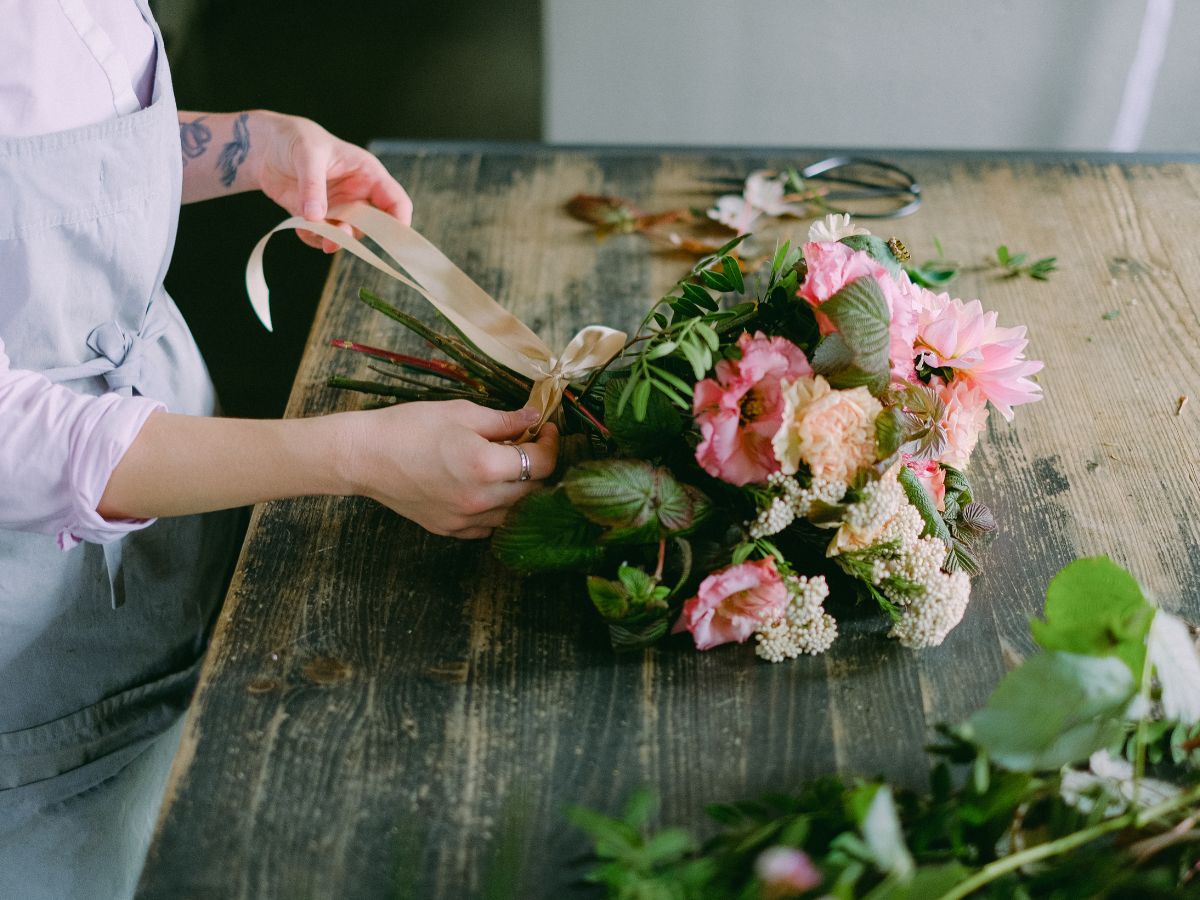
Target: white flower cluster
(911, 575)
(789, 501)
(804, 628)
(930, 617)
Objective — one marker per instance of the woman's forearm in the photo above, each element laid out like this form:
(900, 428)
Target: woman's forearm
(222, 152)
(189, 464)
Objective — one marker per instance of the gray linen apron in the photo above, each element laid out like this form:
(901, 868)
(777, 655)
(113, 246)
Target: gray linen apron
(99, 645)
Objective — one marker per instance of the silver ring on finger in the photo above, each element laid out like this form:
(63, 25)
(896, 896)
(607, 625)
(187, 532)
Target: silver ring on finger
(526, 473)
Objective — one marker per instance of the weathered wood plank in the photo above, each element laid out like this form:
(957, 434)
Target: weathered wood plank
(388, 714)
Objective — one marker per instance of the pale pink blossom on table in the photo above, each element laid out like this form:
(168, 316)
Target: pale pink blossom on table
(732, 602)
(734, 212)
(832, 266)
(965, 418)
(740, 410)
(762, 195)
(932, 476)
(785, 872)
(961, 336)
(832, 432)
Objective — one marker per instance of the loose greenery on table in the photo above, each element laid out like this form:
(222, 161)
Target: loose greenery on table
(1080, 778)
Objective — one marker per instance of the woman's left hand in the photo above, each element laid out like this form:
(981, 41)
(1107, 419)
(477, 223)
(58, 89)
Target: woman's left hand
(306, 170)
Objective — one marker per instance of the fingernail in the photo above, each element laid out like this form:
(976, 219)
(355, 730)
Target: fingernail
(529, 414)
(312, 210)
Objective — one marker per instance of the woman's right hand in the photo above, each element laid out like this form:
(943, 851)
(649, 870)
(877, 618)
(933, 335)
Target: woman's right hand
(444, 465)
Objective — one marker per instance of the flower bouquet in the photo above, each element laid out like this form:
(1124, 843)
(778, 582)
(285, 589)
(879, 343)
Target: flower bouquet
(767, 444)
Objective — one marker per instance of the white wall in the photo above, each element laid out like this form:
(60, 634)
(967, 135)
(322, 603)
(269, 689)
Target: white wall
(866, 73)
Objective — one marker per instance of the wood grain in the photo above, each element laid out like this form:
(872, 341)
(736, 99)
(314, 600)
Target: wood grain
(388, 714)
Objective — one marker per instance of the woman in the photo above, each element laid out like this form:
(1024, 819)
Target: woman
(105, 424)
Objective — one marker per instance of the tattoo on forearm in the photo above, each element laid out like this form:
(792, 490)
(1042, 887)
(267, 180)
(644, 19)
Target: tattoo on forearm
(194, 137)
(234, 153)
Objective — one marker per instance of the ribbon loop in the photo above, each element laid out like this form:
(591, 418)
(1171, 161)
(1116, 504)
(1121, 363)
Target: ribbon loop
(487, 324)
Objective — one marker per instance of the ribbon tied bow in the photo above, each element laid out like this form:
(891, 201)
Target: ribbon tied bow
(488, 325)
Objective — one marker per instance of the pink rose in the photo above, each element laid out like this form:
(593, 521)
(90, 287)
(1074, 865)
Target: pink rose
(733, 602)
(785, 872)
(932, 476)
(832, 266)
(739, 411)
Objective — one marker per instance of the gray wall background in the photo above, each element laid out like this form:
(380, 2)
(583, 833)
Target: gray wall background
(994, 74)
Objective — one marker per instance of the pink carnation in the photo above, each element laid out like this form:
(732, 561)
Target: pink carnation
(740, 410)
(961, 336)
(733, 602)
(832, 266)
(966, 416)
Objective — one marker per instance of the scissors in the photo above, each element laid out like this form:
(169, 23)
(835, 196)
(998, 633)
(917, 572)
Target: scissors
(851, 179)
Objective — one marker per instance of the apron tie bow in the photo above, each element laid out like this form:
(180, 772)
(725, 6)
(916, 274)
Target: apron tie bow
(119, 352)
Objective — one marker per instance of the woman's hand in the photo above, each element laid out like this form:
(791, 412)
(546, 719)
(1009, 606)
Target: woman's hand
(306, 170)
(442, 464)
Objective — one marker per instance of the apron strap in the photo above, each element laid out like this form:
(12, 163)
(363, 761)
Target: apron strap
(108, 57)
(116, 576)
(119, 354)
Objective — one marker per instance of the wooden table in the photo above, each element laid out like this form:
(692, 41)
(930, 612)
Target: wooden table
(388, 714)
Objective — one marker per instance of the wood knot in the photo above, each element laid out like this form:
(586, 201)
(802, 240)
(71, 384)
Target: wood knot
(325, 670)
(262, 686)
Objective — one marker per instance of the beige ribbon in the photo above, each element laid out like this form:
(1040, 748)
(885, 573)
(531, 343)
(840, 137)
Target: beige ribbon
(488, 325)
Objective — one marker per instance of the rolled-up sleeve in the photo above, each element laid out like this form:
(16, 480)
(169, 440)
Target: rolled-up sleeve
(58, 449)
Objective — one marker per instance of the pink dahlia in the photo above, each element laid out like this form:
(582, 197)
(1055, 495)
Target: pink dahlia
(732, 602)
(961, 336)
(832, 266)
(740, 409)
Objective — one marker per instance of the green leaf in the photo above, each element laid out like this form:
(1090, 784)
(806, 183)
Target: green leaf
(695, 356)
(1095, 607)
(891, 430)
(668, 845)
(626, 392)
(781, 253)
(637, 633)
(716, 280)
(635, 500)
(733, 273)
(698, 295)
(543, 532)
(1053, 710)
(709, 336)
(918, 496)
(925, 883)
(658, 429)
(610, 597)
(876, 248)
(859, 355)
(641, 399)
(641, 807)
(611, 837)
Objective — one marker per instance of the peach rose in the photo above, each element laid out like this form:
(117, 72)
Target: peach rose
(832, 431)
